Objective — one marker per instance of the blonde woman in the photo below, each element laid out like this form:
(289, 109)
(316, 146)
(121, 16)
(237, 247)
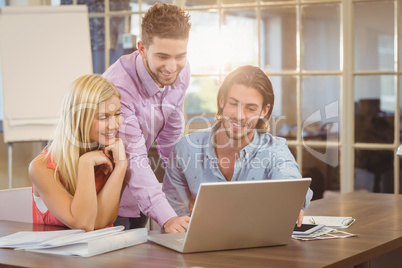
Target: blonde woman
(77, 180)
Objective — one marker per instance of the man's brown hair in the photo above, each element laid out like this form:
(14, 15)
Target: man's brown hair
(165, 21)
(252, 77)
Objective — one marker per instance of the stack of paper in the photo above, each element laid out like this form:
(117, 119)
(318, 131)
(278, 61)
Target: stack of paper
(75, 242)
(324, 233)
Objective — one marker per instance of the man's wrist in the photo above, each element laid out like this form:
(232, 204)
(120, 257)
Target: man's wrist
(169, 221)
(162, 213)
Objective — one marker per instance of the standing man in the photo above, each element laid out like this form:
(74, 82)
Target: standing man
(152, 82)
(238, 147)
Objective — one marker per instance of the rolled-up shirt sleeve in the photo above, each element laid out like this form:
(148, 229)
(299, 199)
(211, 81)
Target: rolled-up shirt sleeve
(286, 167)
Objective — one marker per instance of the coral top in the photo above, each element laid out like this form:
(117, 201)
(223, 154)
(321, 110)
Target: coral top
(47, 217)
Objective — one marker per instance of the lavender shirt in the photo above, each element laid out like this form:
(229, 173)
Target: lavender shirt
(150, 114)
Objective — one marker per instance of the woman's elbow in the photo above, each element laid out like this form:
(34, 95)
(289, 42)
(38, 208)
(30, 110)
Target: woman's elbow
(88, 229)
(106, 222)
(83, 225)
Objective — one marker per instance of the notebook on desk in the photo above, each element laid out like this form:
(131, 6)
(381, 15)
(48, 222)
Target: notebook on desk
(242, 214)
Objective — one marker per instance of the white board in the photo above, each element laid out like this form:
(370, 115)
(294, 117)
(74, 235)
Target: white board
(43, 49)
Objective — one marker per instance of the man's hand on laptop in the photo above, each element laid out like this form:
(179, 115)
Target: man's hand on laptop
(300, 219)
(177, 224)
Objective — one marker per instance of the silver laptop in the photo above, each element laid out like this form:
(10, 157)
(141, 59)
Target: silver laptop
(245, 214)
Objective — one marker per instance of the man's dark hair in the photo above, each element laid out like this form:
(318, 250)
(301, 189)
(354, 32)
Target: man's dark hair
(252, 77)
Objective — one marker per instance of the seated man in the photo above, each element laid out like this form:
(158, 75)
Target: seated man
(238, 147)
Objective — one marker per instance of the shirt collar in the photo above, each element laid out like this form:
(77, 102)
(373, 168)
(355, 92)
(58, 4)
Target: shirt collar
(211, 141)
(248, 149)
(253, 145)
(149, 84)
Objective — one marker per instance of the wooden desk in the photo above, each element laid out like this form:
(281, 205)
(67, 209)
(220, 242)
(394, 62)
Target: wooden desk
(378, 225)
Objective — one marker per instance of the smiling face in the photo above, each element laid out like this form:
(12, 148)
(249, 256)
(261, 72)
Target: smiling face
(241, 111)
(107, 121)
(164, 59)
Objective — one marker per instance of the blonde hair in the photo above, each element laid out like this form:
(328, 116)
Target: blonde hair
(71, 138)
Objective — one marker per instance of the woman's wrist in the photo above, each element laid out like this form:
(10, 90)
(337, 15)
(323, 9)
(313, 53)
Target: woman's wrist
(86, 160)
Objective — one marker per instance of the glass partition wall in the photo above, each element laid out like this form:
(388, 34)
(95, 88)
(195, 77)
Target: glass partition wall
(334, 64)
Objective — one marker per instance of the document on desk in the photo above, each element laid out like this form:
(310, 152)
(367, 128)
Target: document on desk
(329, 221)
(75, 242)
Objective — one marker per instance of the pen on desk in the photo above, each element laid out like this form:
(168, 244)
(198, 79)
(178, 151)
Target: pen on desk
(312, 220)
